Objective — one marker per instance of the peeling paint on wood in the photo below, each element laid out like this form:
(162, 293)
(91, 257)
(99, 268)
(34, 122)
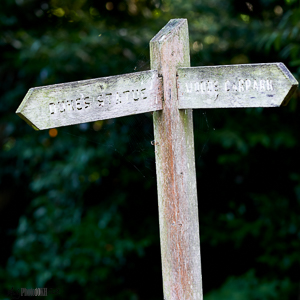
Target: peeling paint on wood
(92, 100)
(175, 168)
(248, 85)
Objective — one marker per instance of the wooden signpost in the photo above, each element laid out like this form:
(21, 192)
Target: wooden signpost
(171, 90)
(91, 100)
(255, 85)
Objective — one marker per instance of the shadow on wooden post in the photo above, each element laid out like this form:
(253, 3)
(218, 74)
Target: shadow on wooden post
(175, 168)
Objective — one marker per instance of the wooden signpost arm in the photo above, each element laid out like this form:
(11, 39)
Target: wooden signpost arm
(247, 85)
(175, 168)
(91, 100)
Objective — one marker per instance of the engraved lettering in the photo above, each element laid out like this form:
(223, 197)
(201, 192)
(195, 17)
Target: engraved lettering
(227, 86)
(94, 102)
(135, 95)
(69, 105)
(209, 86)
(241, 85)
(118, 99)
(248, 84)
(262, 85)
(126, 93)
(269, 85)
(216, 86)
(234, 88)
(255, 86)
(100, 99)
(203, 87)
(52, 108)
(87, 102)
(61, 106)
(187, 88)
(143, 93)
(79, 104)
(108, 97)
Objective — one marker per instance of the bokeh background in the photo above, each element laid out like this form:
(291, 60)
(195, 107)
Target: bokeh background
(78, 204)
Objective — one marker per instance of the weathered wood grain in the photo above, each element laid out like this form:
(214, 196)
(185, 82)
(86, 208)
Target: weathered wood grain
(175, 169)
(91, 100)
(249, 85)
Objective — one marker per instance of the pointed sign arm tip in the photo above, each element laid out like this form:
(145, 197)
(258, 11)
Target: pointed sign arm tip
(19, 110)
(27, 121)
(292, 80)
(22, 105)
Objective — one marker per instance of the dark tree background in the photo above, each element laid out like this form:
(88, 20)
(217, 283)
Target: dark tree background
(78, 205)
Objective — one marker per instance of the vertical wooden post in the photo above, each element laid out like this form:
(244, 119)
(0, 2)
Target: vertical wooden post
(175, 168)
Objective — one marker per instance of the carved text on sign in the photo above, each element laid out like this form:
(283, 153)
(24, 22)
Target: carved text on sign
(249, 85)
(103, 99)
(243, 85)
(92, 100)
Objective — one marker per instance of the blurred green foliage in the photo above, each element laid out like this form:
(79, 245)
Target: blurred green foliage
(79, 210)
